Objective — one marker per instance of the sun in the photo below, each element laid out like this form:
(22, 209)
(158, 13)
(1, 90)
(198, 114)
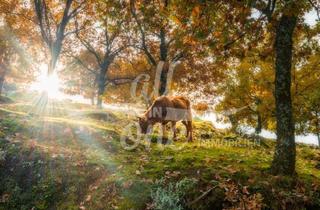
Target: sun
(50, 84)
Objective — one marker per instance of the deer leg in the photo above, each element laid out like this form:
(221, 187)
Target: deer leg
(163, 130)
(174, 130)
(187, 128)
(188, 123)
(190, 130)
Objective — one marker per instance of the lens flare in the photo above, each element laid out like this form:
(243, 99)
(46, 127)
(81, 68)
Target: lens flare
(48, 83)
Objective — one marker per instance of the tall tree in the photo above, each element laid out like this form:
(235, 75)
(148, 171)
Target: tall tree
(53, 26)
(285, 153)
(158, 36)
(284, 16)
(105, 38)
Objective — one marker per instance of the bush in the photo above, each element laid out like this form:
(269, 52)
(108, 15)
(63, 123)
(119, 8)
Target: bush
(171, 195)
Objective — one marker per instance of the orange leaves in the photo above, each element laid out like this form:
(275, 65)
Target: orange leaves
(217, 34)
(195, 11)
(240, 197)
(189, 40)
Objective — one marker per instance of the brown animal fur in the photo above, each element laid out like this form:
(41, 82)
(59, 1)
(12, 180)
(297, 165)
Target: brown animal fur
(168, 109)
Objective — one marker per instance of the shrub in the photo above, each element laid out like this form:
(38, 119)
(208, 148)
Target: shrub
(171, 195)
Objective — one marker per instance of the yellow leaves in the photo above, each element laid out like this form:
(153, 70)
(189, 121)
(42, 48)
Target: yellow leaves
(271, 125)
(176, 20)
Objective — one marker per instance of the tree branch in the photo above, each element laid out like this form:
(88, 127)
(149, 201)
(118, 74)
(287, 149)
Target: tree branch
(142, 32)
(121, 81)
(316, 7)
(87, 45)
(79, 61)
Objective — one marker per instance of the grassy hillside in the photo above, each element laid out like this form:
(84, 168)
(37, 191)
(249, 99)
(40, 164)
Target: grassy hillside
(70, 156)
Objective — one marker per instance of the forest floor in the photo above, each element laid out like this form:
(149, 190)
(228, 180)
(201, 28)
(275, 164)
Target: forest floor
(70, 156)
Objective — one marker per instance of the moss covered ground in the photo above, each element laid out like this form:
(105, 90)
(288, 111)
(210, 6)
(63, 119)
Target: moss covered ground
(70, 156)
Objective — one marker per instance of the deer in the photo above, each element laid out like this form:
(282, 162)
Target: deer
(166, 110)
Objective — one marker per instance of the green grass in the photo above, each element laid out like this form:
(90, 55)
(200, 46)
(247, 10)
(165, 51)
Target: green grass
(72, 158)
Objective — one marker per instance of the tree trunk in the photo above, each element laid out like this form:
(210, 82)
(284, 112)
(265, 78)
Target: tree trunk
(318, 135)
(52, 64)
(101, 87)
(258, 128)
(163, 79)
(285, 152)
(234, 123)
(102, 80)
(163, 57)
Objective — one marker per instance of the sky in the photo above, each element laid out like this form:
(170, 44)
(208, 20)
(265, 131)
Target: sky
(213, 117)
(311, 18)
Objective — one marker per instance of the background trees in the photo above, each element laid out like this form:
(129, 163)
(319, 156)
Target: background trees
(17, 41)
(248, 91)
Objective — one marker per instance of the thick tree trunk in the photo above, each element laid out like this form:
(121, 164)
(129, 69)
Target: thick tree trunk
(163, 57)
(52, 64)
(101, 87)
(102, 80)
(285, 152)
(163, 79)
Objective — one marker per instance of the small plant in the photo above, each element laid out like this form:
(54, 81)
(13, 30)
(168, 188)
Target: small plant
(171, 195)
